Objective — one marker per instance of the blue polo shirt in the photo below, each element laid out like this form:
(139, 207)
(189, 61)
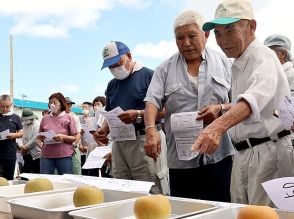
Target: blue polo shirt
(8, 147)
(129, 93)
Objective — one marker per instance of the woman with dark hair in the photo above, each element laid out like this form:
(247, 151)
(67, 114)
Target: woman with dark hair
(57, 154)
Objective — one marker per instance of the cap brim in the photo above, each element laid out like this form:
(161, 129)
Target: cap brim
(111, 61)
(218, 21)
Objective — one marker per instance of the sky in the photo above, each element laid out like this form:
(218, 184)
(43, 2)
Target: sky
(57, 44)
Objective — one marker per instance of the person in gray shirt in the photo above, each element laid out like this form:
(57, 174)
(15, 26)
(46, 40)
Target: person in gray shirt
(190, 80)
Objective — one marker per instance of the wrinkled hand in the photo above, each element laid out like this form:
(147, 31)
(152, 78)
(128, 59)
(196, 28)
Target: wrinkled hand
(209, 113)
(108, 158)
(58, 137)
(128, 116)
(83, 148)
(152, 144)
(100, 136)
(41, 138)
(23, 150)
(208, 140)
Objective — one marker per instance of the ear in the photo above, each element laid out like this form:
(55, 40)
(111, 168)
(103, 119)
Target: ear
(252, 25)
(129, 55)
(207, 33)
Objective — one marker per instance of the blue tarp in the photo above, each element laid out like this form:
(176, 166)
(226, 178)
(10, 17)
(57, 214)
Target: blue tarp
(38, 105)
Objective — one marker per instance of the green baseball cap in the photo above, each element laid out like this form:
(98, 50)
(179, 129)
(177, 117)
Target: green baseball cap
(230, 11)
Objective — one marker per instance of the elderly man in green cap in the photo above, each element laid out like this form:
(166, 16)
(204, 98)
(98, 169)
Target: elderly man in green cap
(259, 85)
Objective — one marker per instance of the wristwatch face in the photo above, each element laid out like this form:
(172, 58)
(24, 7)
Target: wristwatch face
(139, 119)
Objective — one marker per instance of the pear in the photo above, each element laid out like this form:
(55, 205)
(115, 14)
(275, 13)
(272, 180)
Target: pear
(152, 207)
(3, 182)
(38, 185)
(257, 212)
(87, 195)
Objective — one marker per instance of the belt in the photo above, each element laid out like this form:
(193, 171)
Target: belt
(251, 142)
(142, 131)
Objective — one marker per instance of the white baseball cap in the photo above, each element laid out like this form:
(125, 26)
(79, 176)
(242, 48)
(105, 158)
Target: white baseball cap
(230, 11)
(112, 52)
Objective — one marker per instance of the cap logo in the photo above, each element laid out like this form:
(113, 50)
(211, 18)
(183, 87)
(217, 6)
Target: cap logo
(220, 12)
(105, 52)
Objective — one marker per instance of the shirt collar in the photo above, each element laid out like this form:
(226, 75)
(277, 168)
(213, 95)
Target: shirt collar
(60, 114)
(203, 56)
(287, 64)
(241, 62)
(138, 66)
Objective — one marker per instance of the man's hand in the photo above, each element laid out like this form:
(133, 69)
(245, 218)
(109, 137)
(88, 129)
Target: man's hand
(108, 158)
(128, 116)
(152, 144)
(209, 113)
(208, 140)
(23, 150)
(11, 136)
(100, 136)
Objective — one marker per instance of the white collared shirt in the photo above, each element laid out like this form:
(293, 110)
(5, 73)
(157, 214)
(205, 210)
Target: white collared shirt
(258, 77)
(289, 70)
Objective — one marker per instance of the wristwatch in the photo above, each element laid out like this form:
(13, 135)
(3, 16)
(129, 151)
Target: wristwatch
(139, 117)
(223, 108)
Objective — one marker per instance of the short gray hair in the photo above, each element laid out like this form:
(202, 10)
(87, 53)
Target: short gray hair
(283, 49)
(189, 17)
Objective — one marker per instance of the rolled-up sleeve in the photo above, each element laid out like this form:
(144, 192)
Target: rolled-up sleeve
(155, 93)
(263, 87)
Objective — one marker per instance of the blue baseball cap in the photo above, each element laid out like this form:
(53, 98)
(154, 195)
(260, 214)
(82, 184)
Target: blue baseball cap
(112, 52)
(230, 11)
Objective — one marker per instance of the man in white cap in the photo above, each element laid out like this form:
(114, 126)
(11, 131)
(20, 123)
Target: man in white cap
(281, 45)
(127, 90)
(259, 84)
(191, 79)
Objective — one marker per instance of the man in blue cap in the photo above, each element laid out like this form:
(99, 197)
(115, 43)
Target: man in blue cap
(127, 90)
(259, 85)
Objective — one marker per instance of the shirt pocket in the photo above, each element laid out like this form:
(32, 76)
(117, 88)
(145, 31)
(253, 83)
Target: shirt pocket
(173, 95)
(221, 90)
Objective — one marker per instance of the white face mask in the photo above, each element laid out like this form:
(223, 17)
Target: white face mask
(28, 122)
(120, 72)
(86, 112)
(9, 113)
(98, 107)
(54, 108)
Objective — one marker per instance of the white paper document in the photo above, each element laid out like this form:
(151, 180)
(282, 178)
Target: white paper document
(119, 131)
(87, 136)
(281, 192)
(3, 135)
(49, 137)
(53, 178)
(286, 111)
(111, 183)
(95, 158)
(186, 129)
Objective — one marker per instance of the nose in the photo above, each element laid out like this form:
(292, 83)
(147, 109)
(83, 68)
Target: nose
(187, 41)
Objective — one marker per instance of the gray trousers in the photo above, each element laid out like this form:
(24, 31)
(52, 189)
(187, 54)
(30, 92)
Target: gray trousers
(129, 161)
(253, 166)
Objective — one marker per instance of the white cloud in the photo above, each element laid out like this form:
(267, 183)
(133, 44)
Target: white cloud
(55, 18)
(99, 90)
(65, 89)
(162, 50)
(275, 18)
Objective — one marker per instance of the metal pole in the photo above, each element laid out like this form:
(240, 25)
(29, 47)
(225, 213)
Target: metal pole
(11, 67)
